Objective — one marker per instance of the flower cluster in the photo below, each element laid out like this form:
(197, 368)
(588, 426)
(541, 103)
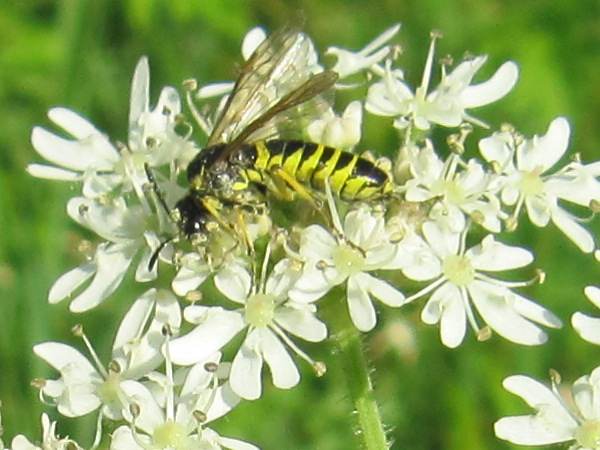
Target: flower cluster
(165, 380)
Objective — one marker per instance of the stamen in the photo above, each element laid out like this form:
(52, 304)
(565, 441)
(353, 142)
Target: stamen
(537, 279)
(470, 314)
(200, 120)
(98, 435)
(170, 406)
(426, 290)
(77, 330)
(284, 337)
(422, 90)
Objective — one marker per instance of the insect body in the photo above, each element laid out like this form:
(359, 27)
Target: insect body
(283, 167)
(241, 163)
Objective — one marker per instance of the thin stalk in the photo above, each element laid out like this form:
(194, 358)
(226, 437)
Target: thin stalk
(350, 354)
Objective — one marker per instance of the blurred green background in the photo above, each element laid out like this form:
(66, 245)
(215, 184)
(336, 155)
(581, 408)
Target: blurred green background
(81, 54)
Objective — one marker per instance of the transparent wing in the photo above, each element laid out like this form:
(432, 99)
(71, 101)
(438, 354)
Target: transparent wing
(278, 77)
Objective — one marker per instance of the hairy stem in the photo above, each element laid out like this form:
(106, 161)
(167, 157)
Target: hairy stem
(354, 367)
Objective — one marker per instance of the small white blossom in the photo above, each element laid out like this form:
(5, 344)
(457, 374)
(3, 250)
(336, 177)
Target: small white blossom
(50, 441)
(559, 417)
(268, 315)
(526, 163)
(349, 63)
(447, 105)
(177, 419)
(586, 326)
(125, 229)
(338, 131)
(459, 280)
(458, 189)
(137, 345)
(91, 158)
(360, 247)
(82, 388)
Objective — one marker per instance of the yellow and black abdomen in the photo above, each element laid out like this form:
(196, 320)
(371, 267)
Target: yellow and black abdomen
(350, 176)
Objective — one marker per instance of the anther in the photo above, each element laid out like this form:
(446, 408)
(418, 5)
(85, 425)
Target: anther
(320, 368)
(114, 367)
(166, 330)
(38, 383)
(496, 167)
(77, 330)
(484, 334)
(83, 209)
(200, 416)
(511, 224)
(134, 409)
(595, 206)
(507, 128)
(211, 367)
(151, 142)
(446, 60)
(540, 276)
(322, 265)
(576, 157)
(477, 217)
(555, 377)
(436, 34)
(190, 84)
(193, 296)
(166, 111)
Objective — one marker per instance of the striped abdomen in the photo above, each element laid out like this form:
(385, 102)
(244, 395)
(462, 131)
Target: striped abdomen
(350, 176)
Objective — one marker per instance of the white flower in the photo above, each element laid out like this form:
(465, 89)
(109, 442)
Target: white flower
(586, 326)
(49, 439)
(458, 188)
(124, 228)
(268, 315)
(82, 388)
(349, 63)
(176, 421)
(459, 279)
(526, 162)
(137, 345)
(559, 417)
(91, 158)
(338, 131)
(360, 247)
(448, 103)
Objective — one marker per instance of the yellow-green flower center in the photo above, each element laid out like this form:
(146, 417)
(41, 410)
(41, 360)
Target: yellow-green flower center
(458, 270)
(109, 391)
(588, 434)
(170, 435)
(260, 309)
(531, 182)
(348, 260)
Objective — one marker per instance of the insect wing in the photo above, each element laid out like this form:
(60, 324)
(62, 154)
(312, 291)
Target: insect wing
(280, 65)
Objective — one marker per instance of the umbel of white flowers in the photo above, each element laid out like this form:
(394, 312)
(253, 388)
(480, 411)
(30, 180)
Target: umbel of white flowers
(165, 380)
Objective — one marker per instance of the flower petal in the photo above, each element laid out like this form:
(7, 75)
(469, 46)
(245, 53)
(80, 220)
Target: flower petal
(495, 256)
(494, 305)
(301, 322)
(70, 281)
(587, 327)
(245, 370)
(283, 369)
(493, 89)
(360, 306)
(218, 328)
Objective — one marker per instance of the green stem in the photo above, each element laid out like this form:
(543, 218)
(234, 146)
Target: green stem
(351, 357)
